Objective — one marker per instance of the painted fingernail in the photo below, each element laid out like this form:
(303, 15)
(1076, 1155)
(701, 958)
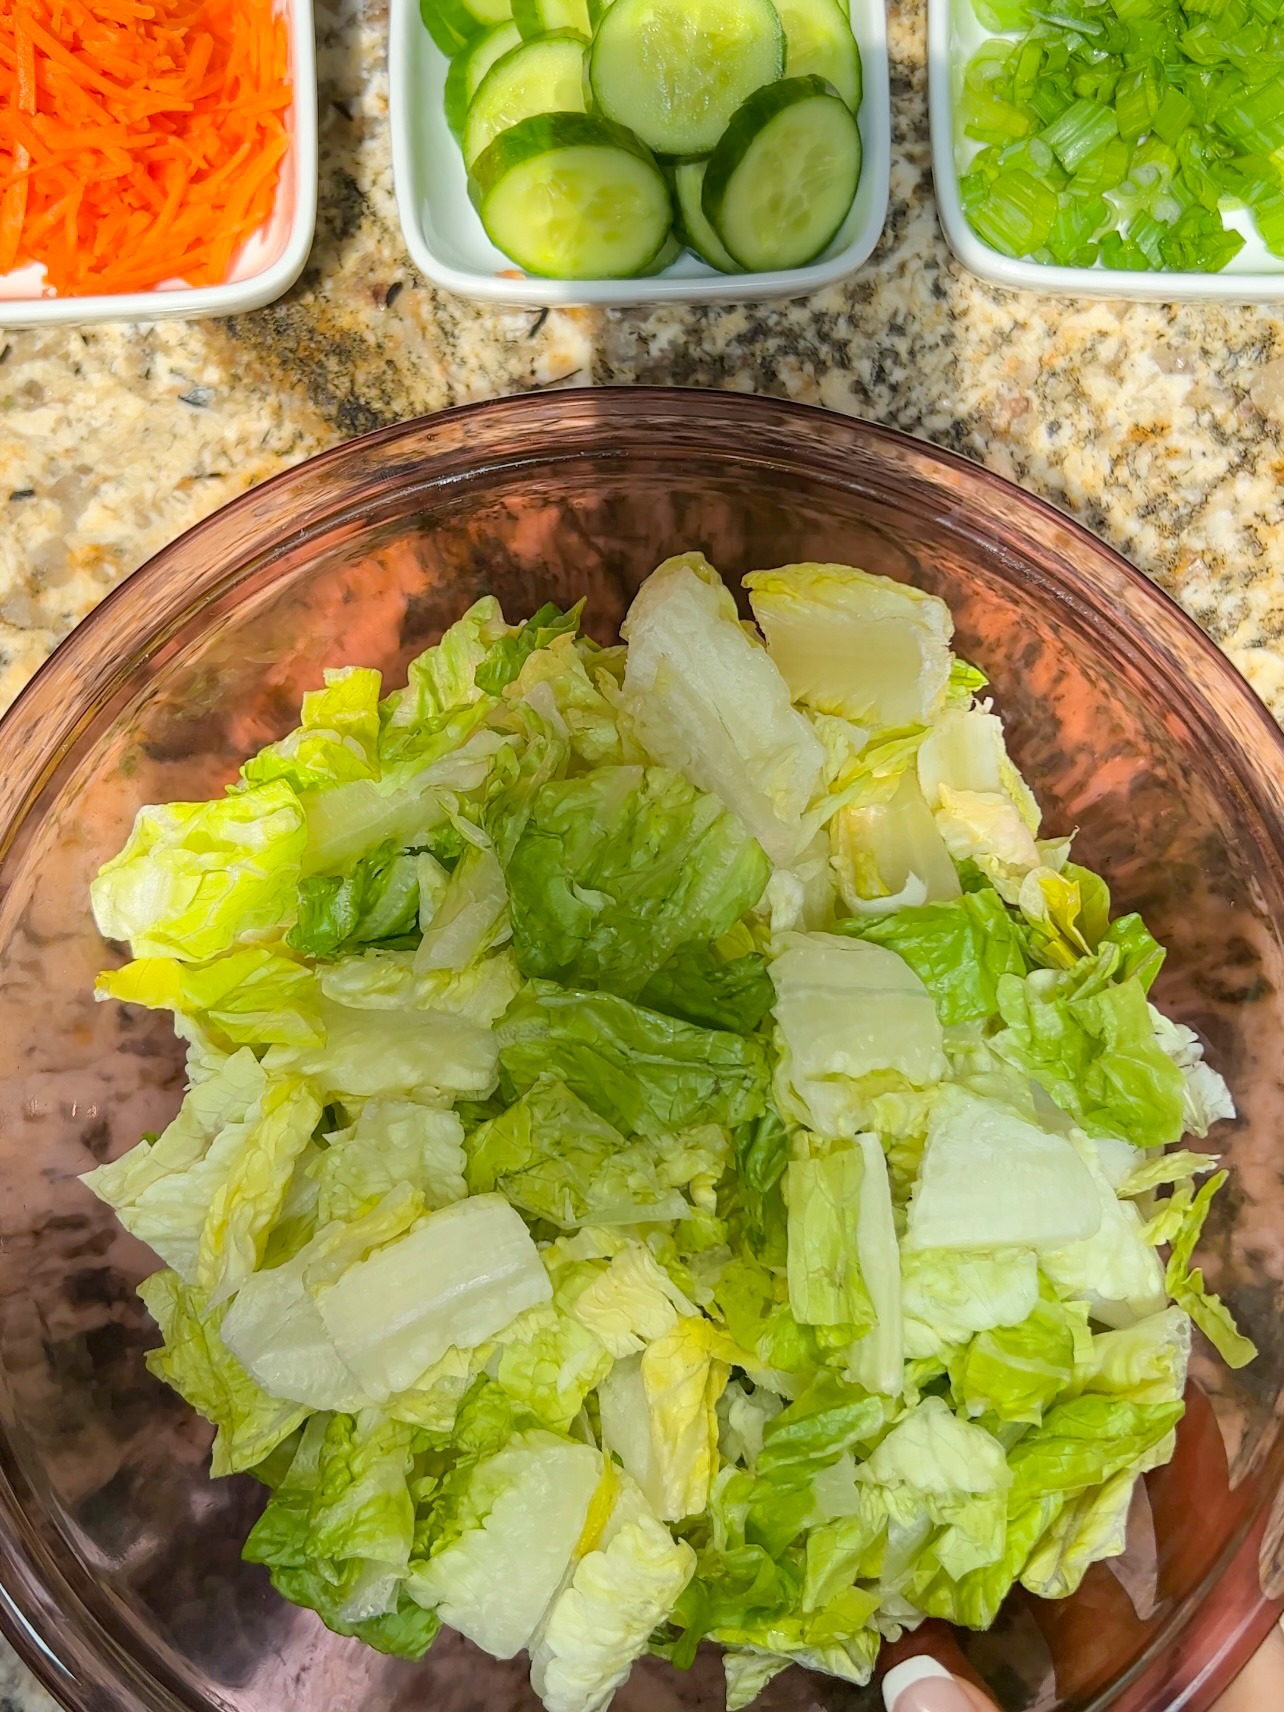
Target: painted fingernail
(922, 1685)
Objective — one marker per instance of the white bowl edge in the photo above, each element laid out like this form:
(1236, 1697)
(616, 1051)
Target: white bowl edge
(1257, 286)
(473, 270)
(236, 296)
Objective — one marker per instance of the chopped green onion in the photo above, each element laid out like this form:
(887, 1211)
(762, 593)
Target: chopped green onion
(1148, 235)
(1174, 115)
(990, 121)
(1017, 215)
(1256, 120)
(1080, 131)
(1122, 256)
(1198, 243)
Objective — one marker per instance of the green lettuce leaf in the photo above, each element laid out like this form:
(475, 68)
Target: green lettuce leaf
(887, 853)
(376, 899)
(252, 997)
(193, 879)
(1095, 1053)
(556, 1159)
(601, 1622)
(1086, 1440)
(196, 1362)
(826, 1285)
(524, 1510)
(1185, 1284)
(699, 986)
(506, 656)
(337, 739)
(958, 950)
(444, 677)
(645, 1073)
(550, 1365)
(1016, 1372)
(830, 1418)
(1114, 1269)
(846, 1012)
(392, 1142)
(990, 1180)
(761, 1155)
(706, 700)
(849, 643)
(948, 1295)
(471, 917)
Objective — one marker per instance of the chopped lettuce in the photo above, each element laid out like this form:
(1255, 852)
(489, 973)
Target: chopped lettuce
(848, 643)
(619, 869)
(706, 700)
(670, 1154)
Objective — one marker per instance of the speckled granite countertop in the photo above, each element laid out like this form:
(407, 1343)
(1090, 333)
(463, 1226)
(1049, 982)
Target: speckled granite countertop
(1160, 428)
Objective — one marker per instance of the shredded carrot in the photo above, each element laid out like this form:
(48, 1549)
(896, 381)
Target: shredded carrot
(141, 141)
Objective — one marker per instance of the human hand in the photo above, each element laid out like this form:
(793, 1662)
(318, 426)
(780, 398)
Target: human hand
(921, 1684)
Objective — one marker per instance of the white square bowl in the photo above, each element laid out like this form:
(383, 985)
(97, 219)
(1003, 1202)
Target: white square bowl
(268, 264)
(448, 245)
(954, 32)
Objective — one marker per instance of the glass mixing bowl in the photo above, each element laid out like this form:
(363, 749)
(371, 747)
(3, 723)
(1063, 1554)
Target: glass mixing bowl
(120, 1577)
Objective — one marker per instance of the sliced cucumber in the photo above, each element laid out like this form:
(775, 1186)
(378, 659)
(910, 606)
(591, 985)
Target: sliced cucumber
(668, 253)
(596, 11)
(819, 43)
(543, 75)
(688, 182)
(538, 17)
(470, 65)
(570, 196)
(780, 183)
(674, 71)
(467, 18)
(447, 38)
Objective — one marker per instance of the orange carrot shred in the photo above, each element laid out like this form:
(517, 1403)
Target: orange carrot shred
(141, 141)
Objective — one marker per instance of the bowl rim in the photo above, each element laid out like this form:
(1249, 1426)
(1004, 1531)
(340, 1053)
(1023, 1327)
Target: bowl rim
(40, 1578)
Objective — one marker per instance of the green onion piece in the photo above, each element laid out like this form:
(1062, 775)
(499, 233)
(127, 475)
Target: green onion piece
(1137, 101)
(1122, 256)
(1080, 131)
(1199, 243)
(1051, 96)
(1202, 44)
(989, 121)
(1003, 15)
(990, 67)
(1174, 115)
(1079, 219)
(1017, 215)
(1269, 214)
(1255, 122)
(1105, 167)
(1148, 235)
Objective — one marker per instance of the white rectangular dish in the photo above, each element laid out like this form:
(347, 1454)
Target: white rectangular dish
(269, 263)
(447, 244)
(954, 33)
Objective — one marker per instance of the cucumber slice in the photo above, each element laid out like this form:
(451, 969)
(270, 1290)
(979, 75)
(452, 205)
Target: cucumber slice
(468, 18)
(819, 43)
(674, 71)
(780, 183)
(570, 196)
(597, 11)
(447, 38)
(669, 252)
(688, 182)
(544, 75)
(538, 17)
(468, 68)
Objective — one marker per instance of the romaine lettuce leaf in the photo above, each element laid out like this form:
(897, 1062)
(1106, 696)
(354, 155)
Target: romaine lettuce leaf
(430, 1054)
(1016, 1372)
(252, 997)
(337, 739)
(552, 1156)
(826, 1285)
(849, 643)
(601, 1622)
(524, 1510)
(707, 701)
(888, 854)
(444, 677)
(1095, 1053)
(631, 1301)
(1115, 1270)
(645, 1073)
(506, 656)
(847, 1011)
(549, 1363)
(376, 899)
(194, 879)
(391, 1142)
(991, 1180)
(621, 867)
(697, 985)
(958, 950)
(471, 918)
(683, 1373)
(948, 1295)
(457, 1276)
(1185, 1283)
(877, 1360)
(196, 1362)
